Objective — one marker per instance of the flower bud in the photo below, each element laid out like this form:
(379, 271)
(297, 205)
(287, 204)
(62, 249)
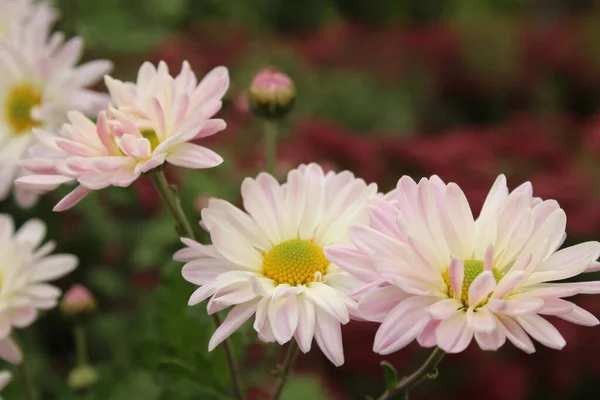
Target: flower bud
(83, 377)
(77, 301)
(271, 94)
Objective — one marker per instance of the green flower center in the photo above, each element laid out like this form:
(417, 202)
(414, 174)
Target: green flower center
(17, 108)
(473, 268)
(150, 134)
(295, 262)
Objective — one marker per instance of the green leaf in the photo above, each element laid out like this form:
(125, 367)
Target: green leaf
(390, 375)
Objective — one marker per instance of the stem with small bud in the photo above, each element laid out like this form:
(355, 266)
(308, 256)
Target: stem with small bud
(173, 203)
(271, 131)
(284, 370)
(417, 377)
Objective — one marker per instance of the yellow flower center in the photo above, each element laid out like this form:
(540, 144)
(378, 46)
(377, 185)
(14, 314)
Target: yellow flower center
(472, 269)
(295, 262)
(150, 134)
(17, 108)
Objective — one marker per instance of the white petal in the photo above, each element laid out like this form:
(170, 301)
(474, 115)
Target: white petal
(542, 331)
(328, 335)
(10, 352)
(454, 334)
(53, 267)
(306, 324)
(481, 320)
(402, 325)
(283, 317)
(490, 340)
(236, 317)
(444, 308)
(481, 287)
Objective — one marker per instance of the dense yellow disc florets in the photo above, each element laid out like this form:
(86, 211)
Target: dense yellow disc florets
(17, 108)
(295, 262)
(472, 269)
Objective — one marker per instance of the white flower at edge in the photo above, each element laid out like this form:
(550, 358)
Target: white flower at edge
(152, 122)
(39, 83)
(441, 277)
(25, 270)
(268, 262)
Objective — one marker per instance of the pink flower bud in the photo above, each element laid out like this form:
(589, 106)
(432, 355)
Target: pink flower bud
(271, 94)
(77, 301)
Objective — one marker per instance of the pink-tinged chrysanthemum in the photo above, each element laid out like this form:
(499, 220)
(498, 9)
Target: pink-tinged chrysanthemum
(39, 83)
(269, 261)
(153, 121)
(25, 270)
(442, 277)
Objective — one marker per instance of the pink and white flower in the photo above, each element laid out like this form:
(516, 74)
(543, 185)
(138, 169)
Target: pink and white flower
(39, 83)
(153, 121)
(268, 262)
(442, 277)
(25, 271)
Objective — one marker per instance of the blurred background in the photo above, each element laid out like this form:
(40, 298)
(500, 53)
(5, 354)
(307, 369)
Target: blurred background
(463, 89)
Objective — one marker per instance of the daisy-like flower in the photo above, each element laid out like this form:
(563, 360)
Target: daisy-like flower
(25, 271)
(439, 275)
(38, 84)
(269, 261)
(153, 121)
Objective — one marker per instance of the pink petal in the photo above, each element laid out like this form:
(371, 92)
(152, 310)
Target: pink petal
(283, 316)
(508, 283)
(306, 324)
(481, 287)
(427, 336)
(491, 340)
(444, 308)
(516, 306)
(10, 352)
(351, 260)
(190, 155)
(481, 320)
(236, 317)
(328, 300)
(580, 316)
(71, 199)
(402, 325)
(542, 331)
(456, 270)
(453, 334)
(211, 127)
(42, 182)
(328, 335)
(377, 303)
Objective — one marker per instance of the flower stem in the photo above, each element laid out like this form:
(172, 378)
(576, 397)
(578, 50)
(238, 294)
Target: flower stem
(173, 203)
(28, 389)
(271, 130)
(416, 377)
(288, 362)
(80, 344)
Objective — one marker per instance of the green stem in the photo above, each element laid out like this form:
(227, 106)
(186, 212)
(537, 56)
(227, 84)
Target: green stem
(26, 382)
(173, 203)
(271, 131)
(286, 367)
(416, 377)
(80, 344)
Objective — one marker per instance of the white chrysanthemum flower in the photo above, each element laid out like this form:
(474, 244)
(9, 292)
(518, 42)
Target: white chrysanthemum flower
(25, 270)
(269, 261)
(439, 275)
(155, 120)
(39, 83)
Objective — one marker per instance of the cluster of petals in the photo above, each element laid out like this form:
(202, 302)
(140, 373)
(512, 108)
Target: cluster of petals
(151, 122)
(311, 208)
(39, 83)
(436, 274)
